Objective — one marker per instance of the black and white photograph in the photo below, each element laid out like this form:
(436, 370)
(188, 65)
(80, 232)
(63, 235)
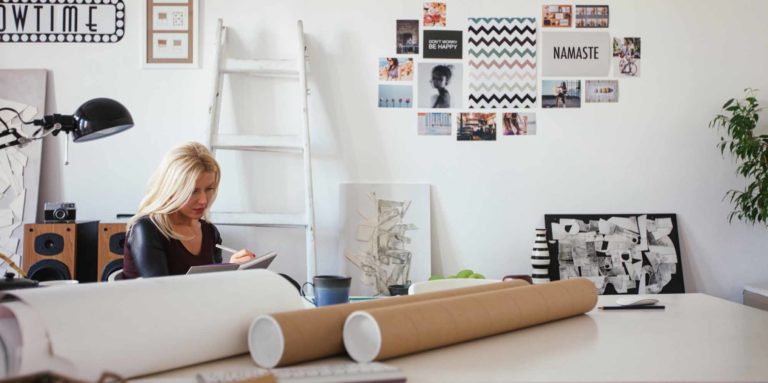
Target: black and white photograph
(440, 85)
(561, 93)
(407, 41)
(619, 253)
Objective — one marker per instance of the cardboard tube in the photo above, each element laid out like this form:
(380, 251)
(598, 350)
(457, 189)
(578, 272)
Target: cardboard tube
(286, 338)
(387, 332)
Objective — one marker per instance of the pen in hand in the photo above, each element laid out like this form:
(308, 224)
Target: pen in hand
(238, 256)
(228, 249)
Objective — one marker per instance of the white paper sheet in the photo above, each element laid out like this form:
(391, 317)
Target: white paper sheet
(17, 205)
(7, 173)
(4, 184)
(6, 218)
(143, 326)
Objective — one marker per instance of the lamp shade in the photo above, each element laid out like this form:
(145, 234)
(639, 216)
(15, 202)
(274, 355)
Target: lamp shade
(99, 118)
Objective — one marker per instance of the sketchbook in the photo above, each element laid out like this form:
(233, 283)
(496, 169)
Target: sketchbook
(261, 262)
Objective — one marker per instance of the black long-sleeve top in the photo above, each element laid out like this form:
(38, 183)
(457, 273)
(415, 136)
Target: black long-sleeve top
(148, 253)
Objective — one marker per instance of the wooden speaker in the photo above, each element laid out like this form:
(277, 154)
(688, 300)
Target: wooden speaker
(111, 243)
(58, 251)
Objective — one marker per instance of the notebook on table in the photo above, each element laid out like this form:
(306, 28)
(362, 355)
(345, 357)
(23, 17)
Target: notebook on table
(261, 262)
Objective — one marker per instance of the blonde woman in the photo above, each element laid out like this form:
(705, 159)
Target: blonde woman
(170, 233)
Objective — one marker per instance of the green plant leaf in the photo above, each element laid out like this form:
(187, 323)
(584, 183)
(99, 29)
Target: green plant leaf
(750, 152)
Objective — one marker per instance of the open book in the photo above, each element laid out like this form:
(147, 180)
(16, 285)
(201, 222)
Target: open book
(260, 262)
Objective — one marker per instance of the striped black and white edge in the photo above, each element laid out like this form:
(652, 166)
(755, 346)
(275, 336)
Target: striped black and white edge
(540, 258)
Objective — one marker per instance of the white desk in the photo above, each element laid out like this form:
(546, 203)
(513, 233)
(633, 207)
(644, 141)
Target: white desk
(697, 338)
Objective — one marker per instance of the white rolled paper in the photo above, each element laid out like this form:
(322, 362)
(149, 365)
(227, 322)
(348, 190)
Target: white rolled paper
(140, 326)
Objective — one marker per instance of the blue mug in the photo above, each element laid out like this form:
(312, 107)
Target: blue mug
(328, 290)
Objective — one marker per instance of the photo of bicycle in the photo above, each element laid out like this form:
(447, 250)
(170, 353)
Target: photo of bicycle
(626, 56)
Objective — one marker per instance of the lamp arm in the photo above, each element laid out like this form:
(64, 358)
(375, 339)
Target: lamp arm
(20, 139)
(50, 124)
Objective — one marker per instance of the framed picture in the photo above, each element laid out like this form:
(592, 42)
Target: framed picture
(171, 34)
(619, 253)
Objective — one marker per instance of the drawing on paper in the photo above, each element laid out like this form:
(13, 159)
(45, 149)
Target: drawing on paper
(386, 235)
(502, 62)
(620, 254)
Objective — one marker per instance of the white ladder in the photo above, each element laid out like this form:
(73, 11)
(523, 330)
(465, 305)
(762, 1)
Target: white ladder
(293, 69)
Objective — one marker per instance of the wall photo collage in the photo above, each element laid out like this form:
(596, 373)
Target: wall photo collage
(492, 64)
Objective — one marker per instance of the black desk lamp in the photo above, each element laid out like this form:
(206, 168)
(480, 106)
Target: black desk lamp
(97, 118)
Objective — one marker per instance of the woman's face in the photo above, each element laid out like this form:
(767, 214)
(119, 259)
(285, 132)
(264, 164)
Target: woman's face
(195, 206)
(439, 82)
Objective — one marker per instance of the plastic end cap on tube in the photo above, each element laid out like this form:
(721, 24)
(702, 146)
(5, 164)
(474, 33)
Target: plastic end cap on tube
(362, 336)
(265, 341)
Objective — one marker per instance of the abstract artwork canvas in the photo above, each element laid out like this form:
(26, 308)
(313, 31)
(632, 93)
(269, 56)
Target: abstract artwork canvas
(619, 253)
(502, 62)
(24, 91)
(386, 235)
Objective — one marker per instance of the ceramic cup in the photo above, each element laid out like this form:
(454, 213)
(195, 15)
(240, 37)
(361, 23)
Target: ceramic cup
(328, 290)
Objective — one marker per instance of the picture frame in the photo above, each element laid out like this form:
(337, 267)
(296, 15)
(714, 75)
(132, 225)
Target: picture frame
(171, 34)
(620, 253)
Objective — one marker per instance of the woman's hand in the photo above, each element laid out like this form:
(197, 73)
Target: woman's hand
(242, 256)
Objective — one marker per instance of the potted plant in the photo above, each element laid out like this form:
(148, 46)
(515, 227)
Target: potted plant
(738, 120)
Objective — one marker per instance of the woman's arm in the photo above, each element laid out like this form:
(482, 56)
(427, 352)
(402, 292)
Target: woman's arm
(147, 246)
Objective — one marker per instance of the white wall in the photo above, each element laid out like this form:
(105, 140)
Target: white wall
(652, 152)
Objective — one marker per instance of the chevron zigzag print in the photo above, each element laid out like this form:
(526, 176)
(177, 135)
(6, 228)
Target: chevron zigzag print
(502, 62)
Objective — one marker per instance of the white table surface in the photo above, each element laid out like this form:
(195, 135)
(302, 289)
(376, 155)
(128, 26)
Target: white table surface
(696, 338)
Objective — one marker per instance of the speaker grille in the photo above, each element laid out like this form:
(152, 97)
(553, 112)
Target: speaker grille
(49, 270)
(49, 244)
(116, 243)
(111, 269)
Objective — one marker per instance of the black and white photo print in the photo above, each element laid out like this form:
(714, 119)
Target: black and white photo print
(440, 85)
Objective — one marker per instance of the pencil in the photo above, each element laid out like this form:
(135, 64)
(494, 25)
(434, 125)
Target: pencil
(226, 248)
(645, 307)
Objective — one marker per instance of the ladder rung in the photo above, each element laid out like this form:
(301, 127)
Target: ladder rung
(260, 219)
(262, 67)
(256, 142)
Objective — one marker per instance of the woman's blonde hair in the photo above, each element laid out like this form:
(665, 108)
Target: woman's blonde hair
(173, 183)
